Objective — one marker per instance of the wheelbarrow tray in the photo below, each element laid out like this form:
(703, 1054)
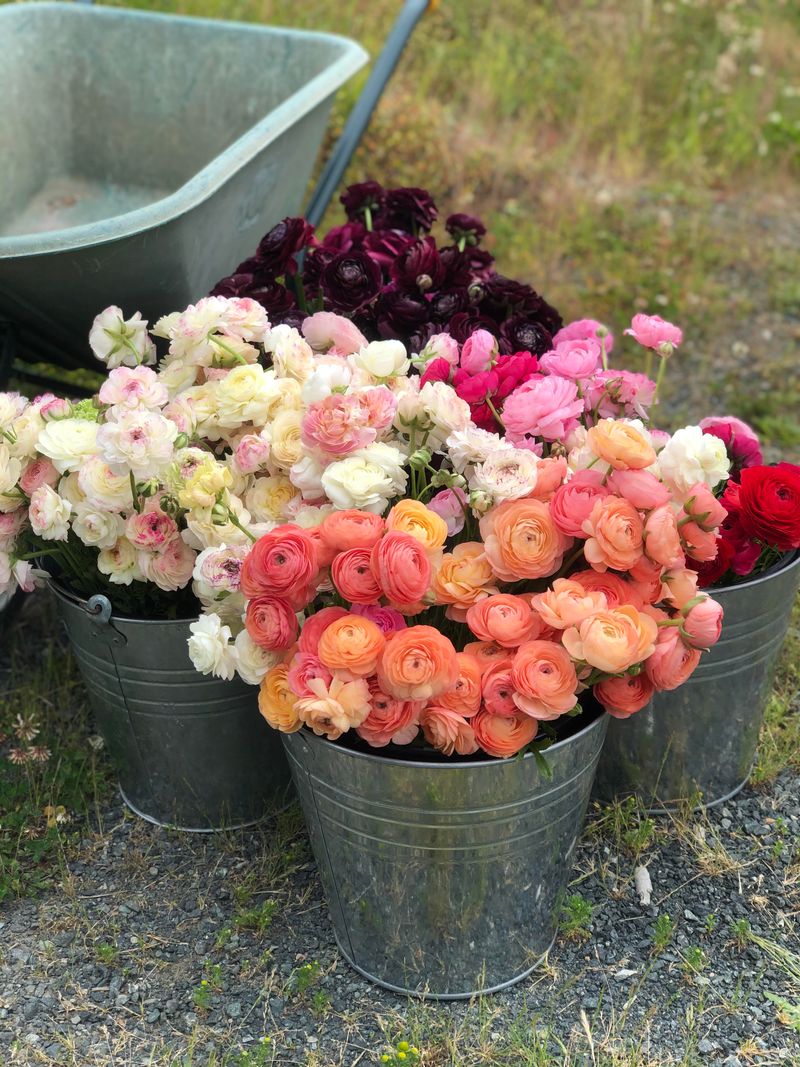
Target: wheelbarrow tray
(144, 156)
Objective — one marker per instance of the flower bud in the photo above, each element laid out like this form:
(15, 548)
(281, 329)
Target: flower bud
(420, 459)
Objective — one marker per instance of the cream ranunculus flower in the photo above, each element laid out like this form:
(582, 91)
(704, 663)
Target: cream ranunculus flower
(140, 441)
(96, 527)
(286, 446)
(367, 479)
(268, 498)
(446, 410)
(68, 443)
(102, 488)
(205, 483)
(246, 394)
(117, 341)
(383, 359)
(472, 445)
(691, 456)
(292, 356)
(252, 662)
(10, 471)
(49, 514)
(25, 430)
(328, 375)
(120, 563)
(210, 647)
(203, 532)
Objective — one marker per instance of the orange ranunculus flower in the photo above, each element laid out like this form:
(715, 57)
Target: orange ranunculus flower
(447, 731)
(503, 618)
(417, 664)
(351, 572)
(615, 535)
(463, 577)
(544, 679)
(615, 589)
(621, 445)
(465, 696)
(501, 735)
(276, 701)
(662, 539)
(550, 474)
(613, 641)
(412, 517)
(333, 709)
(567, 603)
(485, 653)
(497, 688)
(342, 530)
(351, 646)
(621, 697)
(402, 569)
(522, 541)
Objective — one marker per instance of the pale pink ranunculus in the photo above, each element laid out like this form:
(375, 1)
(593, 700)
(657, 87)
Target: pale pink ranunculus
(38, 472)
(252, 453)
(572, 503)
(545, 407)
(652, 331)
(583, 330)
(572, 359)
(151, 530)
(26, 575)
(478, 352)
(51, 406)
(171, 568)
(611, 393)
(132, 387)
(336, 426)
(702, 623)
(450, 504)
(441, 346)
(387, 620)
(11, 522)
(377, 406)
(325, 331)
(640, 487)
(662, 541)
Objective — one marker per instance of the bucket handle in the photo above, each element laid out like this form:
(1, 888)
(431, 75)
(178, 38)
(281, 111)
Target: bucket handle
(98, 607)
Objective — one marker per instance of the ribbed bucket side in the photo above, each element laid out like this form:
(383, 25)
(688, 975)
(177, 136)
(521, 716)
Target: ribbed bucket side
(191, 751)
(444, 879)
(703, 736)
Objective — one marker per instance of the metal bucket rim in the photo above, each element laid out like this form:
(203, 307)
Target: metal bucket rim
(785, 563)
(75, 600)
(449, 765)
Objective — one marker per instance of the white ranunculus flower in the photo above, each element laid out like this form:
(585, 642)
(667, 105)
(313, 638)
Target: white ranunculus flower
(120, 563)
(473, 445)
(202, 532)
(25, 430)
(10, 471)
(246, 394)
(176, 375)
(117, 341)
(335, 374)
(367, 479)
(12, 406)
(383, 359)
(103, 488)
(692, 456)
(506, 475)
(446, 410)
(140, 441)
(292, 355)
(68, 443)
(49, 514)
(269, 498)
(210, 647)
(306, 475)
(96, 527)
(69, 488)
(252, 662)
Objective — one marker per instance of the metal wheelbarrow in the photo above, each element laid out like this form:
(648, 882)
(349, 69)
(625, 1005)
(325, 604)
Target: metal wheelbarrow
(146, 153)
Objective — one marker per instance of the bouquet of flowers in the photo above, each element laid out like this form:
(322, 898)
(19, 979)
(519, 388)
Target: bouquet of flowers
(762, 505)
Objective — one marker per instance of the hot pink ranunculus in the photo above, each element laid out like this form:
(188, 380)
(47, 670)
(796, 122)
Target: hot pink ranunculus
(438, 370)
(741, 440)
(478, 352)
(572, 359)
(652, 331)
(545, 407)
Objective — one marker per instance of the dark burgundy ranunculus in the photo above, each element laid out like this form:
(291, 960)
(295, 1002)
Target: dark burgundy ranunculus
(249, 266)
(521, 333)
(465, 227)
(505, 297)
(444, 305)
(277, 249)
(316, 259)
(234, 285)
(480, 262)
(458, 271)
(407, 208)
(350, 280)
(386, 245)
(514, 370)
(417, 338)
(276, 298)
(464, 323)
(294, 318)
(359, 198)
(344, 238)
(419, 266)
(400, 312)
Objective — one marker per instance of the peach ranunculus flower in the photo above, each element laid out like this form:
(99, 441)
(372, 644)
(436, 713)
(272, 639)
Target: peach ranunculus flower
(412, 517)
(402, 569)
(389, 720)
(573, 501)
(463, 577)
(621, 697)
(502, 618)
(332, 710)
(646, 582)
(621, 445)
(614, 588)
(502, 735)
(417, 663)
(613, 641)
(544, 680)
(276, 701)
(351, 646)
(498, 688)
(342, 530)
(672, 662)
(662, 540)
(567, 603)
(614, 531)
(351, 572)
(550, 474)
(465, 696)
(680, 585)
(447, 731)
(485, 653)
(521, 540)
(314, 626)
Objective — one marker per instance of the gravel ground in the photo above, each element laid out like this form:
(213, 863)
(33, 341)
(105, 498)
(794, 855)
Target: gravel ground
(108, 968)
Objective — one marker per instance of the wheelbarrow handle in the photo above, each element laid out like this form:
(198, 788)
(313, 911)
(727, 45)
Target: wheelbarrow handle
(358, 120)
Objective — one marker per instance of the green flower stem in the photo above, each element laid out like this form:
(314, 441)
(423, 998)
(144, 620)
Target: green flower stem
(661, 372)
(235, 356)
(495, 412)
(235, 522)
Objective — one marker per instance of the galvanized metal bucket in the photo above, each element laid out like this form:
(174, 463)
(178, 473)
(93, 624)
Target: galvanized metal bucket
(191, 751)
(444, 879)
(703, 736)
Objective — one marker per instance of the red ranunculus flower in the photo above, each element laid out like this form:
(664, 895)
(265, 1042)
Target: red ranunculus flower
(769, 498)
(711, 571)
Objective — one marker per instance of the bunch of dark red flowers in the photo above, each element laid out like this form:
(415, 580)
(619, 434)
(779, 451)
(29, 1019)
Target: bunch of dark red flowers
(384, 270)
(763, 506)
